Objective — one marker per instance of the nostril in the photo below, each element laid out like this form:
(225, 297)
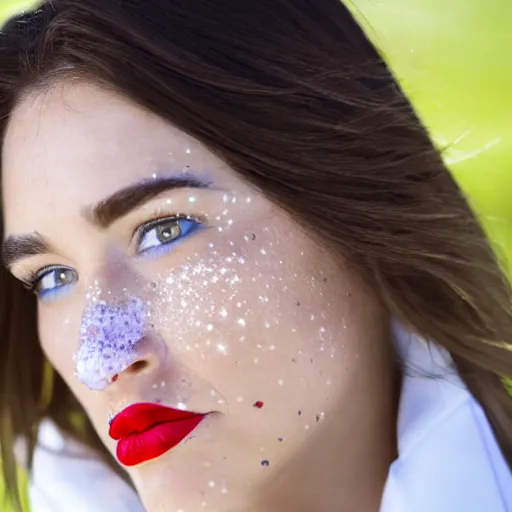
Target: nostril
(138, 366)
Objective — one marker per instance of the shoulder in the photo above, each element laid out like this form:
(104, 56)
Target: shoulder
(64, 474)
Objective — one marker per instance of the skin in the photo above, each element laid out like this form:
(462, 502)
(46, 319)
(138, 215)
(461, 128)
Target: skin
(248, 309)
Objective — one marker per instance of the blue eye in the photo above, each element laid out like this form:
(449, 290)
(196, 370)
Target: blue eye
(160, 236)
(52, 280)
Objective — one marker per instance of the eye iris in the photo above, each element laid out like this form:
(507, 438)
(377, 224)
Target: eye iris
(63, 277)
(168, 232)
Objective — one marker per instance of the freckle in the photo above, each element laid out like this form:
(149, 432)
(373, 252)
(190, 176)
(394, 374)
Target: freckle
(265, 463)
(294, 360)
(280, 439)
(325, 279)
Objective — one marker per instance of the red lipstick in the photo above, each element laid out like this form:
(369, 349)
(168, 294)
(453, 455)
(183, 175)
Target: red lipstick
(145, 431)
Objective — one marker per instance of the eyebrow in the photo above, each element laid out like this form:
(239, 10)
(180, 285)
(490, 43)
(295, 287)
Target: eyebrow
(17, 247)
(103, 214)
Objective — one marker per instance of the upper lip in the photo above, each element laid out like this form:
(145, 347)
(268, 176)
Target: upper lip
(140, 417)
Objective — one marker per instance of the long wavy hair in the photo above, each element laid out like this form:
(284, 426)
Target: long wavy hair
(292, 96)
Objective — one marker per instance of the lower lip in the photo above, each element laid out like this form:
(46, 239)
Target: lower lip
(154, 442)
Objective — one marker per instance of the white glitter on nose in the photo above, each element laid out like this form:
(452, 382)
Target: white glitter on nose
(108, 336)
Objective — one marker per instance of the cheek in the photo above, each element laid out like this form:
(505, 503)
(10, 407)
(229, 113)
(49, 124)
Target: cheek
(260, 318)
(58, 335)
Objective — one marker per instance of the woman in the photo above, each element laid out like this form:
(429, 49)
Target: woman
(239, 238)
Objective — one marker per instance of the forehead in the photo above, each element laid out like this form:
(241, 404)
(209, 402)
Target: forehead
(75, 144)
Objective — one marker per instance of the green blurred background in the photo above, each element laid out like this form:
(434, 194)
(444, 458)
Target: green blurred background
(453, 60)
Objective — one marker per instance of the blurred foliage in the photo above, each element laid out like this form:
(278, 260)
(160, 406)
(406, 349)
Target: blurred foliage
(452, 59)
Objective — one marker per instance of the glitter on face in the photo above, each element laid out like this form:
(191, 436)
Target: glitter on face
(108, 337)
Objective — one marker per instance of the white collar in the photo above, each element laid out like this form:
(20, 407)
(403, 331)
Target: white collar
(448, 460)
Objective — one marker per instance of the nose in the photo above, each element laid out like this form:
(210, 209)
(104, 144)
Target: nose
(110, 336)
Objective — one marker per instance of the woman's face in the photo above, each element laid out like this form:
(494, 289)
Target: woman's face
(163, 277)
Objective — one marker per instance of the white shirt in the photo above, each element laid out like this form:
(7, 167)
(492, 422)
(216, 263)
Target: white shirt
(448, 460)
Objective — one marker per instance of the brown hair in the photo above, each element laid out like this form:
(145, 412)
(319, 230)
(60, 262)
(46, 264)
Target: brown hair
(293, 96)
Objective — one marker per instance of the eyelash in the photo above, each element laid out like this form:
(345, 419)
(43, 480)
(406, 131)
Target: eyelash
(139, 234)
